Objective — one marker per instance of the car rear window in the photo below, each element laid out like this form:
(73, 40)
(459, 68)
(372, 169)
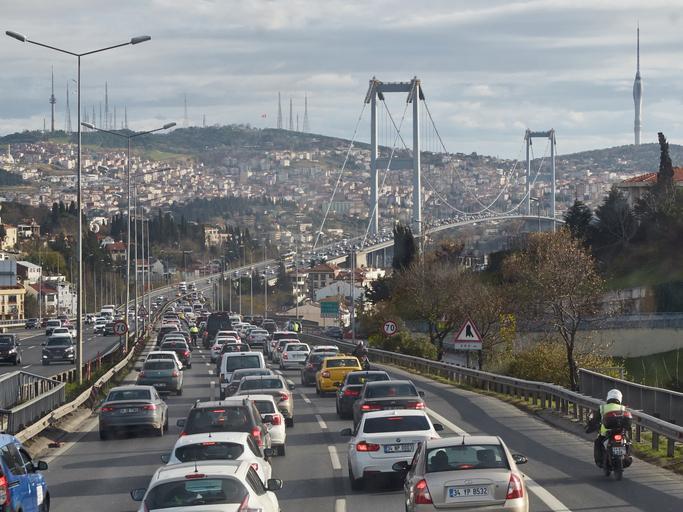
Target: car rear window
(296, 348)
(316, 358)
(209, 450)
(395, 424)
(128, 394)
(264, 406)
(458, 457)
(261, 384)
(342, 363)
(390, 389)
(159, 364)
(174, 345)
(217, 419)
(191, 493)
(236, 362)
(56, 342)
(362, 378)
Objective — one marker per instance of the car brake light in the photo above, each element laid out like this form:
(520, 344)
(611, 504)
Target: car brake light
(283, 396)
(515, 489)
(4, 491)
(209, 443)
(254, 466)
(285, 355)
(175, 373)
(141, 374)
(367, 447)
(617, 437)
(325, 374)
(415, 405)
(277, 419)
(351, 392)
(195, 476)
(422, 496)
(256, 432)
(104, 409)
(150, 407)
(183, 433)
(244, 506)
(186, 353)
(370, 407)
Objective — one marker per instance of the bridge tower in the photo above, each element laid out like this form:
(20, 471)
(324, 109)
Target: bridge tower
(528, 136)
(376, 91)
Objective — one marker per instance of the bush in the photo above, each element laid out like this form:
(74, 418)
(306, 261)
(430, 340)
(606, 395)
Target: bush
(404, 343)
(546, 361)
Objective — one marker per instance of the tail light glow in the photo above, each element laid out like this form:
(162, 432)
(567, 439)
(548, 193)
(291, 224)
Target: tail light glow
(104, 409)
(370, 407)
(617, 437)
(367, 447)
(422, 496)
(283, 396)
(4, 491)
(150, 407)
(325, 374)
(256, 432)
(415, 405)
(351, 392)
(515, 489)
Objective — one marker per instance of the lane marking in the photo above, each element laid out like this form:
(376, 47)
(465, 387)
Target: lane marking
(305, 398)
(551, 501)
(27, 366)
(446, 423)
(334, 457)
(321, 421)
(340, 505)
(210, 372)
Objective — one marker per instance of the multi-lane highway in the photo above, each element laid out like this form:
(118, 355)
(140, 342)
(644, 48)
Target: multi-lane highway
(90, 474)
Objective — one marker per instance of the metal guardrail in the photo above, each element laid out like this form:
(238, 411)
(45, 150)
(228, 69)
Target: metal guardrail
(660, 403)
(538, 394)
(25, 397)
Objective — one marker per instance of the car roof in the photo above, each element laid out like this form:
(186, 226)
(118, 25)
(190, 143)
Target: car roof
(208, 467)
(466, 440)
(231, 400)
(388, 382)
(168, 352)
(261, 377)
(131, 387)
(394, 412)
(219, 437)
(256, 397)
(242, 354)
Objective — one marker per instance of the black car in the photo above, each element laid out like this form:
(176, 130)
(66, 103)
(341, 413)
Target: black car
(59, 348)
(32, 323)
(269, 325)
(10, 351)
(351, 388)
(334, 332)
(382, 396)
(312, 366)
(108, 329)
(230, 415)
(182, 349)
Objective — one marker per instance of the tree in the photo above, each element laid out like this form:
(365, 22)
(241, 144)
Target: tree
(556, 282)
(448, 251)
(404, 247)
(665, 177)
(578, 219)
(3, 233)
(616, 225)
(378, 290)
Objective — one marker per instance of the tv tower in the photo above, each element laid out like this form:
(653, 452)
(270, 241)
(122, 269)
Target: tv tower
(53, 100)
(125, 117)
(637, 92)
(306, 128)
(279, 112)
(291, 119)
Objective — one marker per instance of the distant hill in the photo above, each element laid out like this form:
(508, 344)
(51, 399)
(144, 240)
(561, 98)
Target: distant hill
(639, 159)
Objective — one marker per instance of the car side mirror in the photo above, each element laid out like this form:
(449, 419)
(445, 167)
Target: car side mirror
(291, 386)
(401, 466)
(180, 423)
(438, 427)
(346, 432)
(43, 344)
(165, 458)
(421, 393)
(41, 465)
(268, 452)
(138, 494)
(274, 484)
(519, 458)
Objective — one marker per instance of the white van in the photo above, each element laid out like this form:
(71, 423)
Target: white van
(108, 310)
(235, 361)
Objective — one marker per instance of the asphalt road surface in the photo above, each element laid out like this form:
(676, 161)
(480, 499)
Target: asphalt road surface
(90, 474)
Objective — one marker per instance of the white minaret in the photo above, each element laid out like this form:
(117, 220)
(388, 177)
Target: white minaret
(637, 92)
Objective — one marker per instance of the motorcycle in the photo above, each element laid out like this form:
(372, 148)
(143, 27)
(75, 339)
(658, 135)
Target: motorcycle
(616, 447)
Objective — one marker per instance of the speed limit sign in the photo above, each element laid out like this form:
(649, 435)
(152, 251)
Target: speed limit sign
(120, 328)
(389, 328)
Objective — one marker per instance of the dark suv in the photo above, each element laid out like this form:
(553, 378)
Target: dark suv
(32, 323)
(181, 348)
(312, 365)
(59, 348)
(235, 414)
(10, 352)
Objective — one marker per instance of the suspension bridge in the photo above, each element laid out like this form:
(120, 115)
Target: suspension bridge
(445, 198)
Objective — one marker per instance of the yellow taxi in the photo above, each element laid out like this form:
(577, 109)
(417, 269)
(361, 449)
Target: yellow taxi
(332, 372)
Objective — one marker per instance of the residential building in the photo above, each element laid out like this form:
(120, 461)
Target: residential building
(10, 239)
(321, 275)
(29, 272)
(116, 251)
(12, 302)
(8, 272)
(635, 188)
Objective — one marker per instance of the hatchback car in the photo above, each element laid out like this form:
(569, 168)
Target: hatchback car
(133, 406)
(181, 348)
(476, 472)
(164, 354)
(333, 371)
(351, 388)
(10, 349)
(238, 375)
(384, 438)
(209, 485)
(383, 395)
(274, 419)
(312, 365)
(22, 486)
(294, 354)
(274, 385)
(163, 375)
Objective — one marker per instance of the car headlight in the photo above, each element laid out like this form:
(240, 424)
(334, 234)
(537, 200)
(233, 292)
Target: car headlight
(13, 351)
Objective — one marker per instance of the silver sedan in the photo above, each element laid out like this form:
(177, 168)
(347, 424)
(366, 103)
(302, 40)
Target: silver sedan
(133, 406)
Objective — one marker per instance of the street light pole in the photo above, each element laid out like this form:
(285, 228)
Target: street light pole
(251, 292)
(79, 307)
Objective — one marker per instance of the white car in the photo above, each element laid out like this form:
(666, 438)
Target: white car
(229, 486)
(383, 438)
(294, 354)
(217, 346)
(165, 354)
(229, 334)
(276, 425)
(225, 446)
(324, 348)
(280, 344)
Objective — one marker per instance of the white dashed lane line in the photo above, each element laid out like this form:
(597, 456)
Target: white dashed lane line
(321, 422)
(334, 458)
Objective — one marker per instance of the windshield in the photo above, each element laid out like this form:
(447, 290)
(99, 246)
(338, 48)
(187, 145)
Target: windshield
(235, 362)
(265, 406)
(395, 424)
(296, 348)
(342, 363)
(261, 384)
(128, 394)
(209, 450)
(458, 457)
(217, 419)
(362, 378)
(59, 342)
(159, 364)
(192, 493)
(389, 389)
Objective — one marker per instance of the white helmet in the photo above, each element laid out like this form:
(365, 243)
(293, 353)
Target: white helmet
(614, 394)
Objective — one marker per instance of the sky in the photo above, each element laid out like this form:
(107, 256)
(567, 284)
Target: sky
(489, 69)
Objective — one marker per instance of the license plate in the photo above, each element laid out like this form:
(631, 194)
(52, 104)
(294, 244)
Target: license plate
(396, 448)
(467, 492)
(618, 450)
(159, 385)
(130, 410)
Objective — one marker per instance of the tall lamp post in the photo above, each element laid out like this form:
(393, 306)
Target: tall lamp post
(79, 308)
(128, 137)
(538, 210)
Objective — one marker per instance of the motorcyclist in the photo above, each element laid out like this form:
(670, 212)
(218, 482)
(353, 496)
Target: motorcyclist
(194, 332)
(612, 404)
(361, 353)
